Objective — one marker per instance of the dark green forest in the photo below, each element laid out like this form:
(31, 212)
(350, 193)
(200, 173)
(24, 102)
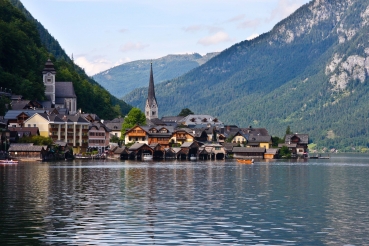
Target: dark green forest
(25, 46)
(279, 79)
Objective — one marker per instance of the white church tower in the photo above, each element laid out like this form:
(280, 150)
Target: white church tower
(49, 81)
(151, 108)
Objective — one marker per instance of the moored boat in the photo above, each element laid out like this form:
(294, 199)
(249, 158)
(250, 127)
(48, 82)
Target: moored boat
(245, 161)
(8, 162)
(147, 156)
(193, 158)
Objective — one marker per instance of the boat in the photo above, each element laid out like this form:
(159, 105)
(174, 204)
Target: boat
(245, 161)
(147, 156)
(193, 158)
(8, 162)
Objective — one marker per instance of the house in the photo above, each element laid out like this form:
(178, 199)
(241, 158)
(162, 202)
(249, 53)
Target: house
(161, 135)
(189, 149)
(182, 135)
(248, 153)
(137, 134)
(72, 129)
(297, 143)
(115, 126)
(253, 137)
(98, 136)
(271, 153)
(26, 150)
(216, 151)
(19, 132)
(16, 118)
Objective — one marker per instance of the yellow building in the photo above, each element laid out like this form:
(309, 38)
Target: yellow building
(67, 128)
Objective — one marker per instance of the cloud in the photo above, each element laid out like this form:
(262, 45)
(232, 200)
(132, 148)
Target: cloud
(197, 28)
(284, 9)
(236, 18)
(194, 28)
(252, 36)
(252, 24)
(98, 65)
(123, 30)
(133, 46)
(217, 38)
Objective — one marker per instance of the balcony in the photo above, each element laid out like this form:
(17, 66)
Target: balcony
(136, 134)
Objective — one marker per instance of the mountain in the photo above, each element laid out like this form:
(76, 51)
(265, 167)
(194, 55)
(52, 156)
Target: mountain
(25, 46)
(123, 79)
(310, 72)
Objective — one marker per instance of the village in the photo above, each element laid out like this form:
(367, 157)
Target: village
(76, 134)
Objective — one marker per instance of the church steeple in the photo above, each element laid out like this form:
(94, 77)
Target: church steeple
(49, 80)
(151, 108)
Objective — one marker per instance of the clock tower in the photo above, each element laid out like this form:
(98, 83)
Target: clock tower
(49, 81)
(151, 108)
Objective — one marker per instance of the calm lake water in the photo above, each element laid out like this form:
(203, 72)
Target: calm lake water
(314, 202)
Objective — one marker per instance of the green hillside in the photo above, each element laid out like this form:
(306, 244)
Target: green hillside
(309, 72)
(123, 79)
(24, 48)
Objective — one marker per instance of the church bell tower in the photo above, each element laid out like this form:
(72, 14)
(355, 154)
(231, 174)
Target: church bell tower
(49, 81)
(151, 108)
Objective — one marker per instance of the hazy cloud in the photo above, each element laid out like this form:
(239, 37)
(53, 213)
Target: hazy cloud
(123, 30)
(194, 28)
(252, 36)
(93, 67)
(252, 24)
(217, 38)
(236, 18)
(133, 46)
(284, 9)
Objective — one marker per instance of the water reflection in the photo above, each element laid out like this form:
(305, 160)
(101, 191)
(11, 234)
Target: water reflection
(113, 203)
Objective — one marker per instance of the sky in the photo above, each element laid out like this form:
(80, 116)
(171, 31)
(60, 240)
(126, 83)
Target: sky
(101, 34)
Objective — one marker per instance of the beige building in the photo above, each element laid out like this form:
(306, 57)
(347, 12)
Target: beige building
(70, 129)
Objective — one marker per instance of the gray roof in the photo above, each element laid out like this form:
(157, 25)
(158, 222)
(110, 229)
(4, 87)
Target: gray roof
(304, 138)
(248, 150)
(171, 119)
(199, 119)
(25, 147)
(19, 105)
(272, 151)
(114, 126)
(12, 114)
(136, 146)
(64, 90)
(287, 145)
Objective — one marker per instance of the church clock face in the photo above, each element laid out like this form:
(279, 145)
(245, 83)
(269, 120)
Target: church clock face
(49, 78)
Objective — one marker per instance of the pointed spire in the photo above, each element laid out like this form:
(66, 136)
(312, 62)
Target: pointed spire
(151, 93)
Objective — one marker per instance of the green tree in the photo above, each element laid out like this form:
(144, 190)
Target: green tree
(285, 152)
(37, 140)
(288, 130)
(276, 140)
(134, 117)
(185, 112)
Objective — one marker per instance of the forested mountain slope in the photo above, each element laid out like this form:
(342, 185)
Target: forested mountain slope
(309, 72)
(123, 79)
(25, 46)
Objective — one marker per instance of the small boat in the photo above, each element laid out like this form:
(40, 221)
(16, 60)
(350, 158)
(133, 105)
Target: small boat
(245, 161)
(8, 162)
(193, 158)
(147, 156)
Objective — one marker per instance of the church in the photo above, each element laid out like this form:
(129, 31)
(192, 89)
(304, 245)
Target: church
(59, 94)
(151, 108)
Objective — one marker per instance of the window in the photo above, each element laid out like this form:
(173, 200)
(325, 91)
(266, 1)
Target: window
(34, 125)
(153, 112)
(29, 125)
(116, 134)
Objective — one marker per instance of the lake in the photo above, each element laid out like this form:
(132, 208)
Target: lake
(313, 202)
